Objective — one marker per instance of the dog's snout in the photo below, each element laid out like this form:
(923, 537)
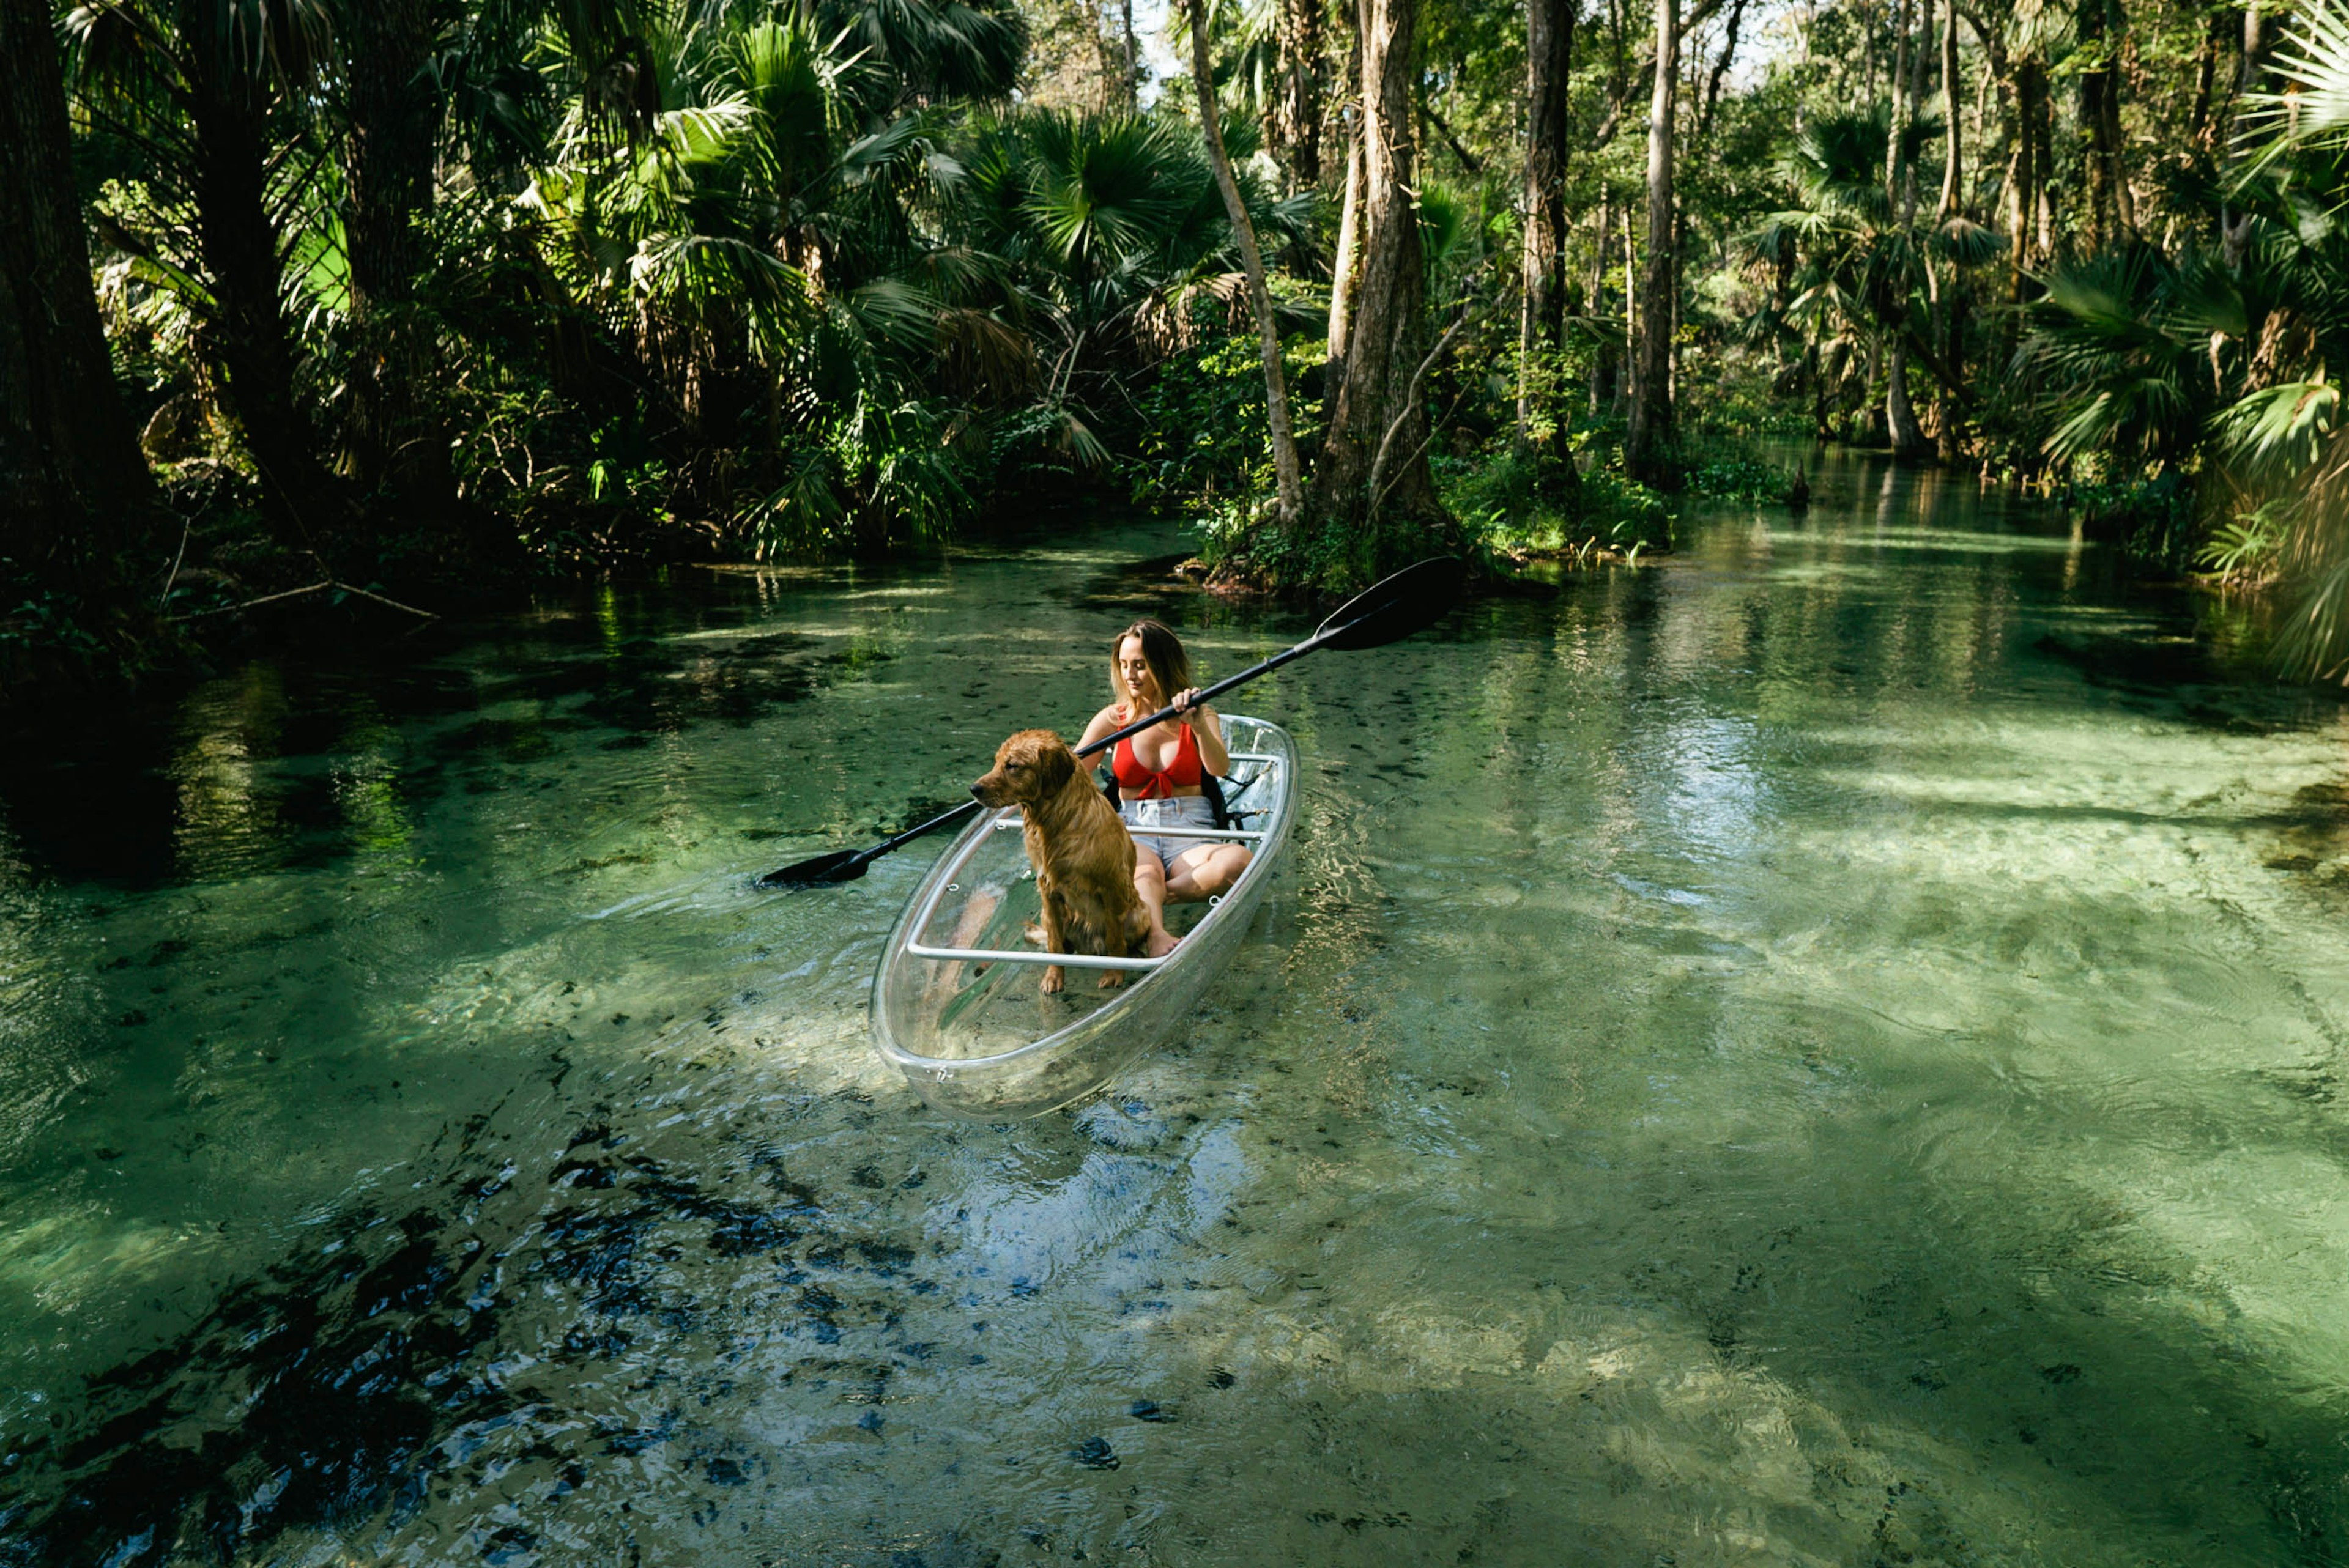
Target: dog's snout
(979, 793)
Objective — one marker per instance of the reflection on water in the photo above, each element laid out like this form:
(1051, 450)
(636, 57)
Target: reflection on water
(1824, 1050)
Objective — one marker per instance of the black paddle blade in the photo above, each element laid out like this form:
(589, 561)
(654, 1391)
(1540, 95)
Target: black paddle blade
(840, 866)
(1413, 600)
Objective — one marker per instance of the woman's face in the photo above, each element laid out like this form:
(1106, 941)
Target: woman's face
(1135, 671)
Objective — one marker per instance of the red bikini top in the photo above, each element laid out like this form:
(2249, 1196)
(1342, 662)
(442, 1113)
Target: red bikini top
(1184, 770)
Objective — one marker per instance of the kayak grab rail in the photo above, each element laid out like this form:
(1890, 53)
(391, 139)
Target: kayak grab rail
(997, 955)
(1008, 818)
(1022, 955)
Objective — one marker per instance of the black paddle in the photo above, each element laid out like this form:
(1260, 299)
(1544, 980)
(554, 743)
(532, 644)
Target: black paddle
(1389, 611)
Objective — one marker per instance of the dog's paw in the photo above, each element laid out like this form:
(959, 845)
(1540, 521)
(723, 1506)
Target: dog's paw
(1054, 978)
(1112, 979)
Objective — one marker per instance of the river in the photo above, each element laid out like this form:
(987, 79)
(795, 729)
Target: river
(1825, 1050)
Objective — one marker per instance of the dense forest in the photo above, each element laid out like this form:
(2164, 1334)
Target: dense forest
(404, 301)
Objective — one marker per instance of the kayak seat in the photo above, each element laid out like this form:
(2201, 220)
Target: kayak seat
(1209, 785)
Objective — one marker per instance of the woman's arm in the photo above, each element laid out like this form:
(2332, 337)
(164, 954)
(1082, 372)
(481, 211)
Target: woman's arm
(1104, 723)
(1209, 729)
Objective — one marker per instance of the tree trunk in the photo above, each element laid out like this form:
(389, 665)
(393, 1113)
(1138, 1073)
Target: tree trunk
(1648, 445)
(1296, 102)
(1866, 21)
(1623, 369)
(2042, 132)
(246, 335)
(2023, 185)
(1948, 305)
(1950, 421)
(1602, 363)
(1288, 485)
(1922, 59)
(74, 493)
(1909, 70)
(2201, 123)
(1900, 414)
(1672, 293)
(1953, 142)
(1129, 72)
(394, 115)
(2115, 141)
(1110, 57)
(1372, 481)
(1896, 145)
(1549, 61)
(1721, 65)
(1345, 268)
(2234, 228)
(1875, 400)
(2095, 121)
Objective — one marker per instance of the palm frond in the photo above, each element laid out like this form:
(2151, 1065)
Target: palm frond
(2278, 429)
(1961, 240)
(2314, 59)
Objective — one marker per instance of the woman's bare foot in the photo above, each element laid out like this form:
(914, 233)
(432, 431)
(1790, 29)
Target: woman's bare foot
(1160, 944)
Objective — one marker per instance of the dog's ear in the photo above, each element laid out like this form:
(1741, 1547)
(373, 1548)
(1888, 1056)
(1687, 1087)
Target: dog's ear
(1056, 765)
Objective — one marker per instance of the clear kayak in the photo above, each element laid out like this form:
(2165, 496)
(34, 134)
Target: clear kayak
(956, 1004)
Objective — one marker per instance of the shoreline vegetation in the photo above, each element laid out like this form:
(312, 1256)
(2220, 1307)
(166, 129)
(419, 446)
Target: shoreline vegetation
(410, 305)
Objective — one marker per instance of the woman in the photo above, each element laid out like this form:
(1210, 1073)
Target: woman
(1160, 772)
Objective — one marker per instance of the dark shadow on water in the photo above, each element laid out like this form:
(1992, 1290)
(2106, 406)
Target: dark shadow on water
(96, 797)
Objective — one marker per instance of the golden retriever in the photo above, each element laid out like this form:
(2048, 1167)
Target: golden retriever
(1083, 854)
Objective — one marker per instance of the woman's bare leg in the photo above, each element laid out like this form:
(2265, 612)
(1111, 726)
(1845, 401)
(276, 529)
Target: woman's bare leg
(1204, 872)
(1150, 881)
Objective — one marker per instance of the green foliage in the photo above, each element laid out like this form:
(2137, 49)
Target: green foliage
(1740, 479)
(2245, 549)
(2120, 339)
(40, 623)
(1242, 528)
(1514, 504)
(1200, 428)
(1619, 510)
(803, 279)
(880, 476)
(2153, 520)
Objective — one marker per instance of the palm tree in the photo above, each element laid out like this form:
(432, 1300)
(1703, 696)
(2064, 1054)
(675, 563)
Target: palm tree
(74, 489)
(1113, 234)
(215, 99)
(2291, 428)
(1846, 271)
(768, 245)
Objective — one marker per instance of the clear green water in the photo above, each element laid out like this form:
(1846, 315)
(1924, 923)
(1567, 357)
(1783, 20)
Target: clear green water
(1828, 1050)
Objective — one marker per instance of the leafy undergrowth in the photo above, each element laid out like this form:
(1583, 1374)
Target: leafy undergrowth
(1518, 507)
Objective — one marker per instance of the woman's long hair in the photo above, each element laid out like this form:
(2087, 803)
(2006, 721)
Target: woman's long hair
(1162, 651)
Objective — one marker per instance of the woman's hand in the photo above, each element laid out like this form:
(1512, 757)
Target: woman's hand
(1200, 719)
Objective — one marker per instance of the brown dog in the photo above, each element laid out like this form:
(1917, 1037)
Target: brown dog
(1083, 854)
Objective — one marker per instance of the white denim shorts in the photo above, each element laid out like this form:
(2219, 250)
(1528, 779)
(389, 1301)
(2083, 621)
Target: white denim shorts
(1182, 811)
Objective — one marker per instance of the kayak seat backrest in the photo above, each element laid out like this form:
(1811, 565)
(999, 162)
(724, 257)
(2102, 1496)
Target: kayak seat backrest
(1209, 785)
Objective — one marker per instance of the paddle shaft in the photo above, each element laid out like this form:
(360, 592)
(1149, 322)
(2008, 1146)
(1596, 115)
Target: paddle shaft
(1221, 687)
(1161, 716)
(1398, 605)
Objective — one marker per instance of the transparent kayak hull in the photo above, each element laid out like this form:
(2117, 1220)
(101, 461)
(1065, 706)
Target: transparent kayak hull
(956, 1004)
